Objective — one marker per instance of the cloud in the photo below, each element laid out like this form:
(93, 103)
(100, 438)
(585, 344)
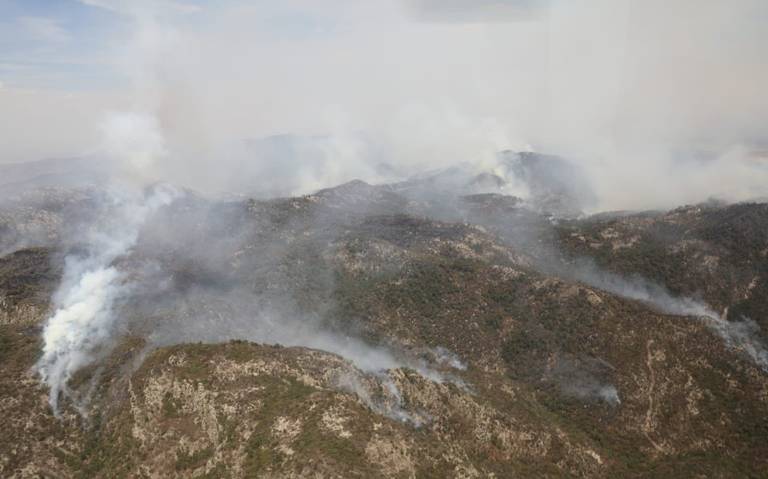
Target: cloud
(45, 29)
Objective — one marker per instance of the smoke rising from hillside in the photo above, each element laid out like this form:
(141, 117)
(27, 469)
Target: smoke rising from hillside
(83, 324)
(111, 268)
(283, 99)
(742, 336)
(661, 104)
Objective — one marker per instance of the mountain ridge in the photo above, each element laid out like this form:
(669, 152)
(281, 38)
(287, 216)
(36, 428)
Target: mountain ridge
(418, 337)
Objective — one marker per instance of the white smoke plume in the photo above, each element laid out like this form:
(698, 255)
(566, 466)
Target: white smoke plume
(136, 140)
(389, 401)
(609, 394)
(84, 319)
(740, 335)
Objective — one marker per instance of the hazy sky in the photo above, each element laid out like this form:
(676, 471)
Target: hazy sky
(637, 91)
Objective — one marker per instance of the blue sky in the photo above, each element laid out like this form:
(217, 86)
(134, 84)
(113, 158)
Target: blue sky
(56, 43)
(69, 44)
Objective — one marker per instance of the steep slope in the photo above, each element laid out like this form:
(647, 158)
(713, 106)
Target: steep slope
(496, 363)
(717, 251)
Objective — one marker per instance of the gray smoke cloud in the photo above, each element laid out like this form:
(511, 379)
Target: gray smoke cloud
(618, 87)
(113, 269)
(119, 267)
(660, 104)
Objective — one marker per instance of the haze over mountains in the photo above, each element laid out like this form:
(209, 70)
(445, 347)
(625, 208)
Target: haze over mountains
(655, 114)
(401, 239)
(437, 325)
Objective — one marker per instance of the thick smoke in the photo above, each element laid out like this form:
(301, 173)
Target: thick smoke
(305, 107)
(84, 320)
(116, 266)
(661, 104)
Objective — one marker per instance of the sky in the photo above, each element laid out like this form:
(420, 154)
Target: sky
(662, 102)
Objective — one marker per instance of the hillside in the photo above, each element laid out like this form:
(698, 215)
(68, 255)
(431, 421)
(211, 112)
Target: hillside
(414, 329)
